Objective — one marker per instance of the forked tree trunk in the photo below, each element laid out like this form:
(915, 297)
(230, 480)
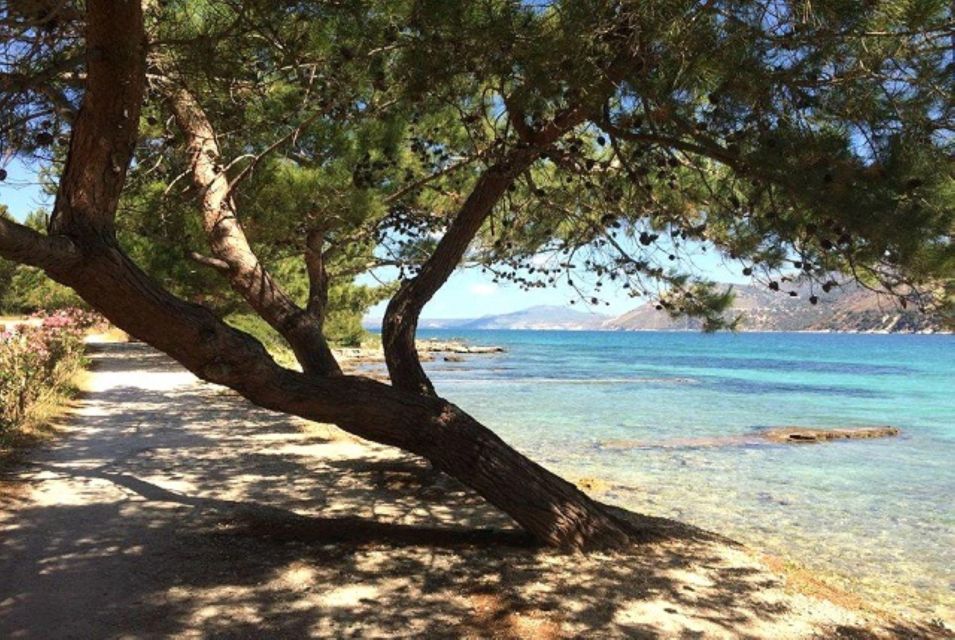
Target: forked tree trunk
(248, 276)
(83, 254)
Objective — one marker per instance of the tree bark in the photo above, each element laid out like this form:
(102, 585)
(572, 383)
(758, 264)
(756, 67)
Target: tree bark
(317, 271)
(85, 256)
(106, 128)
(228, 242)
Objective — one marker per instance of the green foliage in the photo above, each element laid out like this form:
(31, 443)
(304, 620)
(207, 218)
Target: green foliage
(26, 289)
(269, 337)
(32, 290)
(348, 304)
(799, 140)
(159, 231)
(347, 301)
(7, 269)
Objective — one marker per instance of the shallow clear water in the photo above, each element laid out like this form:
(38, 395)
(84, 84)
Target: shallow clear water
(655, 415)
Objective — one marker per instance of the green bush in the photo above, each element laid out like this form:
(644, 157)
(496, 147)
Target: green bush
(342, 330)
(261, 331)
(25, 289)
(30, 290)
(36, 359)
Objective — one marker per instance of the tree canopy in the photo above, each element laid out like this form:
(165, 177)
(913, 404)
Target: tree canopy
(281, 149)
(793, 138)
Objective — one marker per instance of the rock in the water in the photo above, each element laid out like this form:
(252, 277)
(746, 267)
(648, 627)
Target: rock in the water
(485, 349)
(454, 346)
(453, 358)
(811, 434)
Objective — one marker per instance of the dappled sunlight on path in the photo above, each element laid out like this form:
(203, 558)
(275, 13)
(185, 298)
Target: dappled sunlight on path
(174, 508)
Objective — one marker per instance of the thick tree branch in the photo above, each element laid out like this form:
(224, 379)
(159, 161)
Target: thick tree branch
(207, 261)
(23, 245)
(401, 316)
(318, 279)
(228, 242)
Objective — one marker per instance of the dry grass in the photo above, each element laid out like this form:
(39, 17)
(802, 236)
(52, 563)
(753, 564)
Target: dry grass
(45, 419)
(110, 335)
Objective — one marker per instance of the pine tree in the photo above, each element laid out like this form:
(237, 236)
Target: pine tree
(287, 147)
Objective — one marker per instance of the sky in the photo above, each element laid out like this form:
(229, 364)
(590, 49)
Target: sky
(467, 294)
(20, 191)
(471, 294)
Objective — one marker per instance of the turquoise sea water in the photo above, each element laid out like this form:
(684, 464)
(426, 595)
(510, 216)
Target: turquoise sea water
(666, 418)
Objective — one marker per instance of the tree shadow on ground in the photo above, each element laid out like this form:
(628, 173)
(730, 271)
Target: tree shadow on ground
(185, 512)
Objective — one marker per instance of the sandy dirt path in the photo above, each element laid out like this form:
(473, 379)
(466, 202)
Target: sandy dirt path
(172, 508)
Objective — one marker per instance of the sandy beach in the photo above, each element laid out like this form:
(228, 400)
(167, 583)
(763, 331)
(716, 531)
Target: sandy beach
(172, 508)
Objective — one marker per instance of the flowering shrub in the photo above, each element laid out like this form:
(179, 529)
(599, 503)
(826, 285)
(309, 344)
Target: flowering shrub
(39, 357)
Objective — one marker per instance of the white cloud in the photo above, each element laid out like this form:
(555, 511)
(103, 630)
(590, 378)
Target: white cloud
(483, 289)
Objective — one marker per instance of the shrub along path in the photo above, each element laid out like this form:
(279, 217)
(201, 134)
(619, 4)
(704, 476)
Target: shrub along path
(39, 357)
(173, 508)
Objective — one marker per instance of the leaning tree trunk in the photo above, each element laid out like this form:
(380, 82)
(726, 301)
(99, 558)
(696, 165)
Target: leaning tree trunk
(83, 254)
(553, 510)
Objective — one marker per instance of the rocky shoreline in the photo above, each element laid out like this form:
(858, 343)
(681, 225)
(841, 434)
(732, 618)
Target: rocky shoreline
(428, 350)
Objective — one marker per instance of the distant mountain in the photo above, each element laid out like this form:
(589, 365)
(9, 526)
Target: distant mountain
(539, 318)
(851, 308)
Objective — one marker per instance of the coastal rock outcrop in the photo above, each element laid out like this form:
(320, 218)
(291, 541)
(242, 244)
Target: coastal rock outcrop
(435, 346)
(800, 435)
(428, 351)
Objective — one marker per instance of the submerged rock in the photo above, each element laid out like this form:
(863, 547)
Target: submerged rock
(677, 443)
(812, 434)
